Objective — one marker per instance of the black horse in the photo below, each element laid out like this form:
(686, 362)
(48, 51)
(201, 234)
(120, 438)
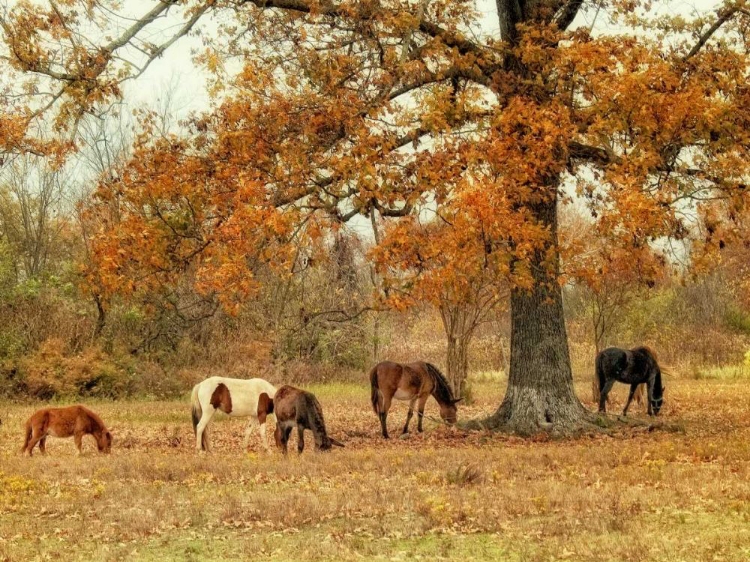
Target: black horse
(633, 367)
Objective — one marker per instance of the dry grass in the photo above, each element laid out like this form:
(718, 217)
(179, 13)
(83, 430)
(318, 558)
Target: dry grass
(639, 495)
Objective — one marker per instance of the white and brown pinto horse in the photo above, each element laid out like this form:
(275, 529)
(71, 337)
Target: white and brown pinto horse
(414, 382)
(234, 397)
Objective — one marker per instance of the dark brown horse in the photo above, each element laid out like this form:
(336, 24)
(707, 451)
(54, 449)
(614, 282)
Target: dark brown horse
(414, 382)
(75, 421)
(631, 366)
(298, 408)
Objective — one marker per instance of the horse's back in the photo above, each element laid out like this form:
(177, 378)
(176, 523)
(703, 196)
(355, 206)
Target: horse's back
(644, 359)
(385, 373)
(612, 361)
(242, 394)
(64, 421)
(612, 355)
(286, 403)
(402, 381)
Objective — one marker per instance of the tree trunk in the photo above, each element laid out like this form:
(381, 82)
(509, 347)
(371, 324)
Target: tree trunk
(376, 338)
(458, 364)
(101, 318)
(540, 394)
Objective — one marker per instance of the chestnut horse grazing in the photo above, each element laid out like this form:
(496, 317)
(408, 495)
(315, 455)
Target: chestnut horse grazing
(414, 382)
(64, 422)
(234, 397)
(294, 407)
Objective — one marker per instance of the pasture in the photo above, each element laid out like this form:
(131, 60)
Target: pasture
(679, 491)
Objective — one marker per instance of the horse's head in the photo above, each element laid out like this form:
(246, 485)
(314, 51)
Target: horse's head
(657, 400)
(448, 411)
(657, 394)
(104, 442)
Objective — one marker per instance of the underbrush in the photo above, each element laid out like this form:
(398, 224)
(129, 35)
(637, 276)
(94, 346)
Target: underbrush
(726, 372)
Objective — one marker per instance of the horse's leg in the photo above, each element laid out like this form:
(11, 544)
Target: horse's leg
(630, 397)
(410, 414)
(43, 445)
(263, 440)
(285, 433)
(248, 429)
(420, 411)
(36, 437)
(384, 415)
(603, 396)
(300, 439)
(650, 395)
(208, 413)
(78, 438)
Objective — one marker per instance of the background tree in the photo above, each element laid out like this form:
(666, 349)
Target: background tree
(418, 263)
(315, 126)
(611, 278)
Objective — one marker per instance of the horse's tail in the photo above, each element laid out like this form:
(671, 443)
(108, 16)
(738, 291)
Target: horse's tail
(375, 390)
(197, 412)
(29, 430)
(316, 421)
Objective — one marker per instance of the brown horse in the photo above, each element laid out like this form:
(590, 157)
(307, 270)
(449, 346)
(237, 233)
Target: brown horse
(414, 382)
(294, 407)
(64, 422)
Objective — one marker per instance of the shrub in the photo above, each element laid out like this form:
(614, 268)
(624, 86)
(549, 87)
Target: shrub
(738, 320)
(49, 373)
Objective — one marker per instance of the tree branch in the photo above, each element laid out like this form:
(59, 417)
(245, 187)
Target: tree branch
(567, 13)
(724, 15)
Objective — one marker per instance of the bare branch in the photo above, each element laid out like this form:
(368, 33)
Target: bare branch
(724, 15)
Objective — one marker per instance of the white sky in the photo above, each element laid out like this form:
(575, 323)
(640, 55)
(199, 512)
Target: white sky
(176, 64)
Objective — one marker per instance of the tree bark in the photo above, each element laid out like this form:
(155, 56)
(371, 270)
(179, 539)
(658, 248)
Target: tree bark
(101, 318)
(540, 394)
(458, 363)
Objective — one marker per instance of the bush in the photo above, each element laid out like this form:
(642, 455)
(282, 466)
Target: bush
(738, 320)
(49, 372)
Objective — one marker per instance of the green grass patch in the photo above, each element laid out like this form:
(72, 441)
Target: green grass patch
(724, 372)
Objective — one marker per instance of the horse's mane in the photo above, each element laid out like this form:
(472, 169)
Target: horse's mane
(648, 352)
(443, 390)
(94, 416)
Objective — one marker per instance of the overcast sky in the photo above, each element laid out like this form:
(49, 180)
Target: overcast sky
(176, 65)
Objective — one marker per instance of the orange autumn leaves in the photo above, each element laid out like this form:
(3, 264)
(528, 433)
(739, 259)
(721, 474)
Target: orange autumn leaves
(342, 109)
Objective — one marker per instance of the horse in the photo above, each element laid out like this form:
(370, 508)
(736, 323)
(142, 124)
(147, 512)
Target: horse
(414, 382)
(64, 422)
(633, 367)
(234, 397)
(298, 408)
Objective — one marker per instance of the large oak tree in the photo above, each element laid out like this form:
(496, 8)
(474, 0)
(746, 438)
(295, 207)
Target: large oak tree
(345, 108)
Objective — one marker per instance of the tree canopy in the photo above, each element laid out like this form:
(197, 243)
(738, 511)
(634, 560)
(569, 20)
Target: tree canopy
(324, 110)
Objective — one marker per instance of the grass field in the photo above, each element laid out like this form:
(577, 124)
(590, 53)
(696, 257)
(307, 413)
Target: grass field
(680, 492)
